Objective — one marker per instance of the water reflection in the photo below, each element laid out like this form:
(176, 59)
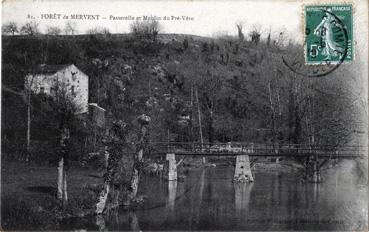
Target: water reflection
(133, 221)
(242, 193)
(172, 191)
(209, 200)
(116, 220)
(316, 188)
(100, 222)
(199, 197)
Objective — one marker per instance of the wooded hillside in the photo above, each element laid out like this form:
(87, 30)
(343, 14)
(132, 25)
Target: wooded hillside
(242, 89)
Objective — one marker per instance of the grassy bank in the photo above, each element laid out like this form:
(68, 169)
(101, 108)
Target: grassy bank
(28, 195)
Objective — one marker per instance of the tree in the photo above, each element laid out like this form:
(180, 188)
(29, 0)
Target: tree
(57, 116)
(255, 35)
(98, 30)
(30, 28)
(113, 141)
(239, 26)
(28, 91)
(200, 124)
(70, 28)
(268, 39)
(10, 28)
(53, 30)
(143, 121)
(145, 29)
(281, 39)
(29, 84)
(63, 110)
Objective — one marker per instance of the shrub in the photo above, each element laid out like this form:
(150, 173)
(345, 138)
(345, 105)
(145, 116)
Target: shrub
(145, 29)
(18, 213)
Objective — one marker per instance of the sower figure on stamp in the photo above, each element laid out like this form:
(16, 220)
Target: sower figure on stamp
(325, 31)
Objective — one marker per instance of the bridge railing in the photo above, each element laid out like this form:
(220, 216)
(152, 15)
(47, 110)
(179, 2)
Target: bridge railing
(256, 148)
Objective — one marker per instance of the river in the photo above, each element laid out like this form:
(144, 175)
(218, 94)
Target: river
(209, 200)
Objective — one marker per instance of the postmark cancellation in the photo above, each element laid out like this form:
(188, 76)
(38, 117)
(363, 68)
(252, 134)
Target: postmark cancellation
(328, 33)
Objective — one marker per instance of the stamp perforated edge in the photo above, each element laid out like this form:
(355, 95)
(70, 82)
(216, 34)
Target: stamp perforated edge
(303, 26)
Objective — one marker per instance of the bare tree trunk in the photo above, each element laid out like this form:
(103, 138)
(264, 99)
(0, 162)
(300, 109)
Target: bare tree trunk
(279, 107)
(106, 156)
(241, 36)
(200, 125)
(60, 178)
(62, 182)
(28, 126)
(65, 192)
(311, 102)
(168, 140)
(62, 173)
(29, 91)
(191, 114)
(100, 222)
(272, 108)
(95, 138)
(297, 132)
(108, 178)
(103, 197)
(137, 166)
(133, 221)
(211, 129)
(135, 175)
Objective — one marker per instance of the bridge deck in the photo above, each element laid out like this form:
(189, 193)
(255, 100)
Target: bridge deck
(260, 150)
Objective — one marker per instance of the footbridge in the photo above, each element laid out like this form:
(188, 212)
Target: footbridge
(314, 156)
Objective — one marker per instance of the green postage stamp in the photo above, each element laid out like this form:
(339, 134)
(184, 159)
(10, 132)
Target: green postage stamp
(328, 34)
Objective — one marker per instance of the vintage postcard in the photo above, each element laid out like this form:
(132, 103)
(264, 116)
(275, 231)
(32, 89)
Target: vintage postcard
(184, 115)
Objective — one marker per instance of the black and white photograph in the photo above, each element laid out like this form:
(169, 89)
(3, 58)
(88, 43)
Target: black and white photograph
(182, 115)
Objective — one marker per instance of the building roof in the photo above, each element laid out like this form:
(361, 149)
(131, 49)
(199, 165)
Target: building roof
(51, 69)
(97, 106)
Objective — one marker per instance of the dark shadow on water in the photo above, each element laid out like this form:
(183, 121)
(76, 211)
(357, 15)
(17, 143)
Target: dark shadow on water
(209, 200)
(42, 189)
(94, 176)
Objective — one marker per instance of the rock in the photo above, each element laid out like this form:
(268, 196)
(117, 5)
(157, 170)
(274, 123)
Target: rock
(154, 168)
(139, 199)
(144, 119)
(242, 178)
(210, 165)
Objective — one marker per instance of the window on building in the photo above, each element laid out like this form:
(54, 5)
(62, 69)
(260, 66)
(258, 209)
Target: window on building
(73, 91)
(52, 91)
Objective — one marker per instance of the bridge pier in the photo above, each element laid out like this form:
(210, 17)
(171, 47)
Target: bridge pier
(313, 169)
(316, 177)
(242, 171)
(171, 167)
(316, 173)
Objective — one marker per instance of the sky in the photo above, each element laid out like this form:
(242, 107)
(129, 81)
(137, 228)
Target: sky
(210, 18)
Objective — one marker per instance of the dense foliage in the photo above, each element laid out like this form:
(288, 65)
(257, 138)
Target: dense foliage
(243, 90)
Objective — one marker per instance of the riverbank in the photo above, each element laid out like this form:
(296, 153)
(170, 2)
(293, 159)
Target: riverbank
(263, 165)
(28, 195)
(208, 199)
(29, 190)
(283, 166)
